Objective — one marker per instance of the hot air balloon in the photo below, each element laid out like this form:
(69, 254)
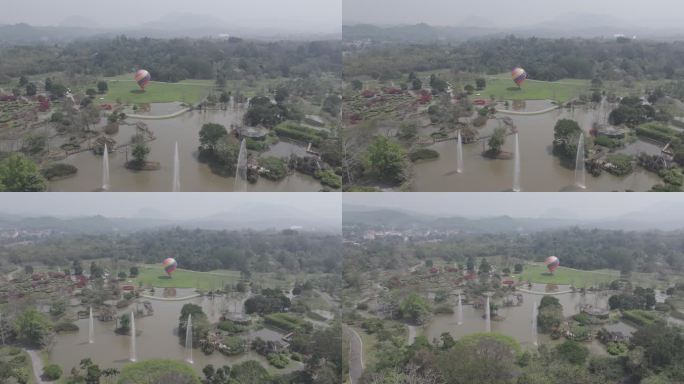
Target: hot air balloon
(170, 265)
(142, 77)
(519, 75)
(552, 263)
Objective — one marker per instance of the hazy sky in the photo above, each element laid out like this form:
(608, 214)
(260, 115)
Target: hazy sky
(577, 205)
(175, 205)
(314, 15)
(506, 13)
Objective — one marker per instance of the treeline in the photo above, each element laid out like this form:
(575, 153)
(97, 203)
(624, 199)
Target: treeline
(544, 59)
(577, 248)
(176, 59)
(200, 250)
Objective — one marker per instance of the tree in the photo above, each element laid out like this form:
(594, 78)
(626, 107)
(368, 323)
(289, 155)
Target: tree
(225, 97)
(573, 352)
(210, 135)
(385, 160)
(518, 268)
(23, 81)
(133, 271)
(249, 372)
(332, 105)
(497, 141)
(20, 174)
(485, 267)
(32, 328)
(102, 86)
(480, 83)
(550, 314)
(281, 95)
(140, 153)
(414, 309)
(407, 130)
(565, 139)
(469, 89)
(31, 89)
(416, 84)
(482, 358)
(470, 264)
(91, 92)
(357, 85)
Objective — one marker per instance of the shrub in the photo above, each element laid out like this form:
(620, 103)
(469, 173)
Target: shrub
(423, 154)
(52, 372)
(59, 170)
(298, 132)
(65, 327)
(278, 360)
(616, 348)
(622, 163)
(329, 178)
(275, 166)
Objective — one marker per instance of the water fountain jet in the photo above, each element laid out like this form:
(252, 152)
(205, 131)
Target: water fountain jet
(105, 169)
(459, 154)
(188, 340)
(91, 329)
(534, 323)
(133, 353)
(460, 310)
(241, 169)
(176, 171)
(580, 169)
(516, 166)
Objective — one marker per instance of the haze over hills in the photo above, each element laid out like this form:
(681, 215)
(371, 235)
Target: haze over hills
(585, 25)
(250, 216)
(659, 216)
(170, 25)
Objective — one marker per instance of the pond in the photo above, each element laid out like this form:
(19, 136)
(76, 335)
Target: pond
(157, 339)
(194, 176)
(539, 169)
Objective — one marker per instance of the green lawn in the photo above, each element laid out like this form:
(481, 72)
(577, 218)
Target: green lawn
(537, 273)
(126, 90)
(155, 276)
(502, 87)
(183, 278)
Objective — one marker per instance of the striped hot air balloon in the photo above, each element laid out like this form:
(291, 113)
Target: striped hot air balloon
(142, 77)
(552, 263)
(170, 265)
(519, 75)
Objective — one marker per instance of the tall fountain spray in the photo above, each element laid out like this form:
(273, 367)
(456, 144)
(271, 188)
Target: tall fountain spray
(534, 323)
(488, 317)
(105, 169)
(241, 169)
(2, 330)
(91, 329)
(580, 172)
(133, 352)
(460, 310)
(459, 154)
(516, 166)
(176, 171)
(188, 340)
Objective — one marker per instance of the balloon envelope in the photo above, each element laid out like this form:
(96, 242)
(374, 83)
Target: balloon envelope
(170, 265)
(552, 263)
(142, 77)
(519, 75)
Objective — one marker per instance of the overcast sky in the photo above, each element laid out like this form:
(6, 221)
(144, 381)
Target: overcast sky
(313, 15)
(175, 205)
(587, 206)
(506, 13)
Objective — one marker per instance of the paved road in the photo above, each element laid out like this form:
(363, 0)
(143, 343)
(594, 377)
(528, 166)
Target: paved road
(37, 364)
(356, 365)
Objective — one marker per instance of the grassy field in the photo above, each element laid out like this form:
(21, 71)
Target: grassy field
(127, 91)
(154, 275)
(502, 87)
(537, 273)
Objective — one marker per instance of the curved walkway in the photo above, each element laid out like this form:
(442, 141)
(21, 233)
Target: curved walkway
(37, 365)
(159, 117)
(531, 113)
(542, 293)
(171, 298)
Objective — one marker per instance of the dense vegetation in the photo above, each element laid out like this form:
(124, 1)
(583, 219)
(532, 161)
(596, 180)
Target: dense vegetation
(176, 59)
(200, 250)
(544, 59)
